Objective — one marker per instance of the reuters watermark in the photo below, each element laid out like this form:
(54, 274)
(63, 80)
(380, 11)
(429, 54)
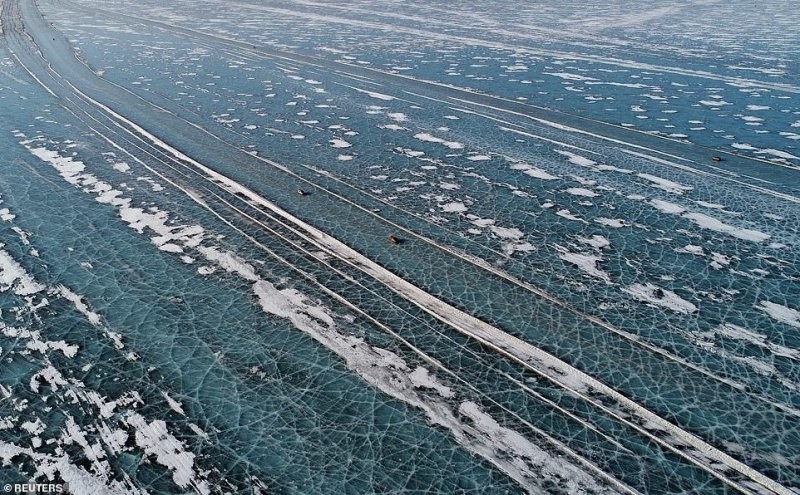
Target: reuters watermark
(36, 488)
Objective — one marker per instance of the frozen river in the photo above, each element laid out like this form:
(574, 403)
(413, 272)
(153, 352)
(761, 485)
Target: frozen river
(370, 247)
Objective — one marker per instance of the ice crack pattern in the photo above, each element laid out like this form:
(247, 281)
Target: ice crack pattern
(298, 247)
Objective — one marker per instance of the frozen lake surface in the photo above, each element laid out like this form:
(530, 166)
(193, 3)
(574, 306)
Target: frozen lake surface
(377, 247)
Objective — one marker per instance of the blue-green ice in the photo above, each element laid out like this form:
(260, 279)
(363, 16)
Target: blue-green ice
(307, 247)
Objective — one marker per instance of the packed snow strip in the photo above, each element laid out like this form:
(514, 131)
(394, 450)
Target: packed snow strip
(391, 374)
(781, 313)
(667, 207)
(708, 222)
(513, 237)
(6, 215)
(701, 453)
(454, 207)
(655, 295)
(504, 439)
(569, 76)
(397, 116)
(596, 241)
(691, 249)
(565, 213)
(419, 388)
(778, 154)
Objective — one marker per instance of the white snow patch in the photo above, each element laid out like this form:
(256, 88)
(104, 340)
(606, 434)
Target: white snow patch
(706, 222)
(533, 171)
(596, 241)
(454, 207)
(665, 184)
(506, 232)
(783, 314)
(719, 260)
(586, 262)
(397, 116)
(614, 223)
(565, 213)
(655, 295)
(13, 276)
(581, 191)
(667, 207)
(569, 76)
(738, 333)
(433, 139)
(93, 318)
(339, 143)
(692, 249)
(156, 441)
(577, 159)
(421, 378)
(173, 404)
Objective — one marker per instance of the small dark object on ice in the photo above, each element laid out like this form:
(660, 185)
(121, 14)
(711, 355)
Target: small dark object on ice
(394, 239)
(302, 192)
(716, 158)
(659, 293)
